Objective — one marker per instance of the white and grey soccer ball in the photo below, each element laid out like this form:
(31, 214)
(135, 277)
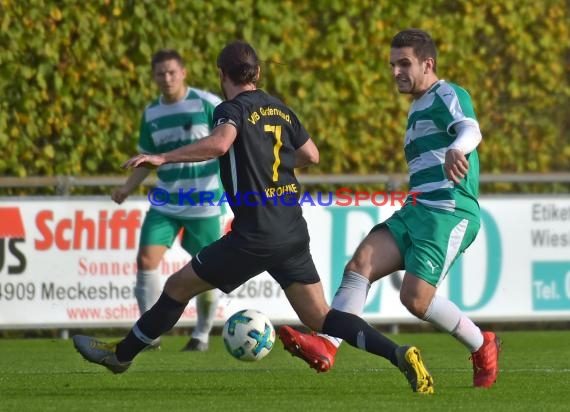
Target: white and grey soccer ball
(248, 335)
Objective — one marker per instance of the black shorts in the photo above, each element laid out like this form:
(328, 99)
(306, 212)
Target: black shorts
(226, 264)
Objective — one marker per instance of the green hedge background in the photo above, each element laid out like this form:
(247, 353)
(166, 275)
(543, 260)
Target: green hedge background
(75, 75)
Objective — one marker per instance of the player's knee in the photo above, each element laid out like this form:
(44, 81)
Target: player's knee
(357, 263)
(149, 257)
(413, 303)
(143, 262)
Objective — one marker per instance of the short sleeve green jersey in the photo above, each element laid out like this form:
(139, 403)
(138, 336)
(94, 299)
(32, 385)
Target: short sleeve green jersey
(428, 134)
(166, 127)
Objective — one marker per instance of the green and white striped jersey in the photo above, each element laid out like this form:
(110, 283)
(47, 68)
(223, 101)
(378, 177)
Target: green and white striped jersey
(165, 127)
(429, 133)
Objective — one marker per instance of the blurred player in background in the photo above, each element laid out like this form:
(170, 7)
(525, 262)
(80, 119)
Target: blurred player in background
(260, 142)
(180, 116)
(425, 238)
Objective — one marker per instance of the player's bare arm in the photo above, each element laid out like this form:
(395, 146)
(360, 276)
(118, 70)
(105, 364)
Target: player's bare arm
(120, 194)
(215, 145)
(307, 154)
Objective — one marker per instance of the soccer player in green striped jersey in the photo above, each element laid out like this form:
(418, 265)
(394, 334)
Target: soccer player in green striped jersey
(179, 116)
(426, 236)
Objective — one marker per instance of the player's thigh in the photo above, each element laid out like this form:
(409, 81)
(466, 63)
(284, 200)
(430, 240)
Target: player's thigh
(378, 254)
(226, 265)
(437, 243)
(199, 233)
(184, 284)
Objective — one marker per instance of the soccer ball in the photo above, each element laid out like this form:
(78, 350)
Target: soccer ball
(248, 335)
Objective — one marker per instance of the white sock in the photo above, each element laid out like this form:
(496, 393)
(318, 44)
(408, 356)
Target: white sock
(147, 289)
(350, 297)
(446, 316)
(206, 304)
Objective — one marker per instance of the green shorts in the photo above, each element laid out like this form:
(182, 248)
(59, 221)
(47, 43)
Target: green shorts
(430, 241)
(161, 229)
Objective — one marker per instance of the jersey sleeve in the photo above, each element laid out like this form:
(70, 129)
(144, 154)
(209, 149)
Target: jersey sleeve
(209, 108)
(459, 106)
(209, 101)
(301, 135)
(227, 113)
(146, 144)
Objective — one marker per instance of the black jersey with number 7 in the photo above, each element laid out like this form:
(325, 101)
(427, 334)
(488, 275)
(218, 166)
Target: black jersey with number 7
(258, 170)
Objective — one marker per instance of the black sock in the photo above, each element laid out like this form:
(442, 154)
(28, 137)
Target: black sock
(153, 323)
(352, 328)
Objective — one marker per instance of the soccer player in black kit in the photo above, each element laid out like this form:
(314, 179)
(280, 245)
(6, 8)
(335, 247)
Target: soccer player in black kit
(259, 142)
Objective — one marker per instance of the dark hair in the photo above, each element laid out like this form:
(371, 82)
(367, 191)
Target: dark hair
(164, 55)
(239, 61)
(420, 41)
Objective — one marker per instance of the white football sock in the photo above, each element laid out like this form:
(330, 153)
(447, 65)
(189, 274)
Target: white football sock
(446, 316)
(147, 289)
(350, 297)
(206, 304)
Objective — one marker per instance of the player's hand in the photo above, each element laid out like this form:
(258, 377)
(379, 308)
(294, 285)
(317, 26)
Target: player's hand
(456, 165)
(144, 160)
(119, 195)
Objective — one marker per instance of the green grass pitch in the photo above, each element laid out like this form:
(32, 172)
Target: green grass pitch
(48, 375)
